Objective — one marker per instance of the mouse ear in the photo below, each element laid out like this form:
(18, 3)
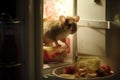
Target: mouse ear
(62, 19)
(77, 18)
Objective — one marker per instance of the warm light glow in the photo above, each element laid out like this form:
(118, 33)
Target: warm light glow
(54, 8)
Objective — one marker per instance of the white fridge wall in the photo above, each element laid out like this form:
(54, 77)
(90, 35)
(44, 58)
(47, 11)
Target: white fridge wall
(91, 41)
(90, 10)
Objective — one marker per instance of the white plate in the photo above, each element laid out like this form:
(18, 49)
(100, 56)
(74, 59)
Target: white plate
(57, 72)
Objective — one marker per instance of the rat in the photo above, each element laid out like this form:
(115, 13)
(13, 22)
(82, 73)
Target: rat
(54, 30)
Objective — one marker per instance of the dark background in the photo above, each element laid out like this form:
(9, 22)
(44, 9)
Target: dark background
(9, 7)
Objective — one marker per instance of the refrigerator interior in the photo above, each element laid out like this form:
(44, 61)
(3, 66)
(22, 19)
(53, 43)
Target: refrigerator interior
(93, 32)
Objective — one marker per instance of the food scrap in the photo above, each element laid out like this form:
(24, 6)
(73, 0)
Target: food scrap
(88, 68)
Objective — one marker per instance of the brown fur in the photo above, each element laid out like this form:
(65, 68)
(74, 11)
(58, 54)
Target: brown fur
(55, 30)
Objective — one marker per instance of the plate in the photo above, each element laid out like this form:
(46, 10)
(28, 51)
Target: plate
(60, 74)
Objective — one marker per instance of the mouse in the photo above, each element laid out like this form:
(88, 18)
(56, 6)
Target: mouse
(54, 30)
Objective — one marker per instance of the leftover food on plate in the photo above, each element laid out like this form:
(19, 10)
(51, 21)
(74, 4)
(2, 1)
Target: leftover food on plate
(85, 67)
